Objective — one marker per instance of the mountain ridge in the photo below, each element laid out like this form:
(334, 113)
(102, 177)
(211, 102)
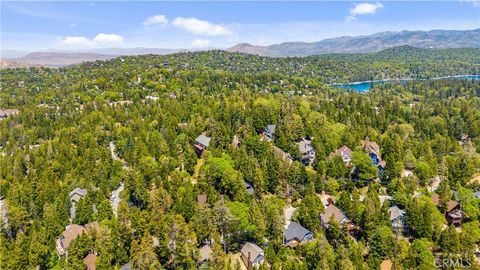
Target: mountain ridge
(367, 43)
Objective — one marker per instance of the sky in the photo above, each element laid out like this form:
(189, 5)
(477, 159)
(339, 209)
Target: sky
(84, 25)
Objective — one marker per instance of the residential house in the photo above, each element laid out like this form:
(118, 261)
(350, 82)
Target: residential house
(235, 142)
(476, 194)
(252, 255)
(90, 261)
(72, 231)
(346, 153)
(373, 150)
(153, 98)
(453, 213)
(296, 234)
(75, 196)
(307, 151)
(204, 255)
(386, 265)
(397, 218)
(332, 212)
(201, 143)
(269, 132)
(202, 200)
(249, 188)
(4, 113)
(127, 266)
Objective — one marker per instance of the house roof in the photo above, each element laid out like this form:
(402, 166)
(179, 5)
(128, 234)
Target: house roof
(386, 265)
(248, 188)
(333, 212)
(436, 198)
(71, 232)
(204, 253)
(451, 205)
(77, 191)
(204, 140)
(90, 261)
(202, 199)
(295, 231)
(477, 194)
(8, 111)
(382, 163)
(344, 150)
(395, 212)
(254, 250)
(271, 128)
(305, 146)
(127, 266)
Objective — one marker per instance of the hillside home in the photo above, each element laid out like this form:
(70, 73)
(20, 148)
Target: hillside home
(269, 132)
(71, 233)
(75, 196)
(332, 212)
(453, 213)
(296, 234)
(252, 255)
(307, 152)
(248, 188)
(4, 113)
(201, 143)
(346, 153)
(397, 218)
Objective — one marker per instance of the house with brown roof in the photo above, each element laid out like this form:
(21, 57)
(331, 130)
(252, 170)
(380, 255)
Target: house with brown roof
(202, 200)
(72, 231)
(453, 212)
(90, 261)
(333, 213)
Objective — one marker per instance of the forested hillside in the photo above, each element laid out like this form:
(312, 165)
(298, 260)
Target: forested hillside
(221, 160)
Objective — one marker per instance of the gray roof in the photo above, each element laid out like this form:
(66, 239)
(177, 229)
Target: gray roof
(249, 188)
(127, 266)
(305, 146)
(204, 140)
(254, 250)
(295, 231)
(271, 128)
(395, 212)
(78, 191)
(477, 194)
(204, 253)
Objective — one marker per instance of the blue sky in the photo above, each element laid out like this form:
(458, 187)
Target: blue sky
(88, 25)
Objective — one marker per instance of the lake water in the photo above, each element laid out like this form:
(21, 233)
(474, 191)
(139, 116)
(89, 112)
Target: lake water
(366, 85)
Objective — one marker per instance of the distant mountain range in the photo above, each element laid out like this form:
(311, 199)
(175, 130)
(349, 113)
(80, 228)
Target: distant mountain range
(370, 43)
(360, 44)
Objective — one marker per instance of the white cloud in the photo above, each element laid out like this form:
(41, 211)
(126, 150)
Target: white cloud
(157, 19)
(108, 38)
(362, 9)
(76, 41)
(201, 27)
(200, 43)
(98, 40)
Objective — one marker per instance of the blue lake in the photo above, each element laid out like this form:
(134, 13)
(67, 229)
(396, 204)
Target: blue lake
(366, 85)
